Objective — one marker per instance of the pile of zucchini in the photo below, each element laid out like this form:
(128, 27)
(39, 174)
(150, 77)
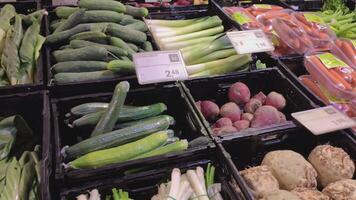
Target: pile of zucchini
(20, 45)
(97, 40)
(120, 132)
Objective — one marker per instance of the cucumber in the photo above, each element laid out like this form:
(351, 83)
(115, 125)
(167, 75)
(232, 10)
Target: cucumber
(93, 16)
(133, 47)
(125, 58)
(128, 19)
(73, 20)
(177, 146)
(62, 78)
(85, 53)
(65, 47)
(120, 153)
(147, 46)
(138, 26)
(79, 66)
(126, 34)
(121, 66)
(102, 5)
(93, 36)
(87, 108)
(112, 49)
(200, 141)
(119, 137)
(136, 12)
(127, 114)
(65, 11)
(111, 114)
(114, 41)
(54, 24)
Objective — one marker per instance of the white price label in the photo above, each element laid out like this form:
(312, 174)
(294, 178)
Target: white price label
(251, 41)
(159, 66)
(324, 120)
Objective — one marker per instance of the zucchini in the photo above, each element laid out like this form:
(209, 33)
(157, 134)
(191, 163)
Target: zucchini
(79, 66)
(102, 5)
(120, 153)
(112, 49)
(147, 46)
(126, 34)
(65, 11)
(93, 16)
(85, 53)
(73, 20)
(119, 137)
(125, 115)
(121, 66)
(86, 108)
(138, 26)
(114, 41)
(133, 47)
(93, 36)
(61, 78)
(136, 12)
(177, 146)
(111, 114)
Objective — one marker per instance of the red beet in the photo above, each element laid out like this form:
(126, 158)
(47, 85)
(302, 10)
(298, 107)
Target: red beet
(166, 4)
(198, 104)
(209, 110)
(264, 116)
(260, 96)
(282, 117)
(146, 5)
(247, 116)
(252, 105)
(241, 125)
(231, 110)
(222, 122)
(276, 100)
(239, 93)
(224, 130)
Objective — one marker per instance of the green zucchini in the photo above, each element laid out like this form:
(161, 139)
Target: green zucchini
(93, 16)
(138, 26)
(79, 66)
(114, 41)
(86, 108)
(133, 47)
(61, 78)
(121, 66)
(111, 114)
(126, 34)
(73, 20)
(119, 137)
(125, 115)
(120, 153)
(81, 54)
(112, 49)
(93, 36)
(102, 5)
(136, 12)
(147, 46)
(177, 146)
(65, 11)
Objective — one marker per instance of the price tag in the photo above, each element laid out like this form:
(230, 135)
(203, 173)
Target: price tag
(324, 120)
(251, 41)
(330, 61)
(159, 66)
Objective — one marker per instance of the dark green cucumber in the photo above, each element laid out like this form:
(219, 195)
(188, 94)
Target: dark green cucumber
(128, 19)
(62, 78)
(93, 36)
(124, 58)
(111, 114)
(79, 66)
(73, 20)
(121, 66)
(147, 46)
(136, 12)
(54, 24)
(81, 54)
(119, 137)
(93, 16)
(133, 123)
(126, 34)
(65, 11)
(112, 49)
(102, 5)
(87, 108)
(65, 47)
(133, 47)
(114, 41)
(138, 26)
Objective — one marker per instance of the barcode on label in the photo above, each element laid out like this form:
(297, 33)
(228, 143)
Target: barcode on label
(330, 111)
(173, 57)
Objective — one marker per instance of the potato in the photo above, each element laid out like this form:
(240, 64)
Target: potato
(309, 194)
(341, 190)
(290, 169)
(331, 163)
(280, 195)
(260, 180)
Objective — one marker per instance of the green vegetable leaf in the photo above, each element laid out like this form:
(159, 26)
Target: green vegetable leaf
(12, 180)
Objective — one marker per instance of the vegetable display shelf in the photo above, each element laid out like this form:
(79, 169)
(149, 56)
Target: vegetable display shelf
(187, 126)
(144, 185)
(26, 7)
(33, 107)
(300, 5)
(264, 81)
(163, 6)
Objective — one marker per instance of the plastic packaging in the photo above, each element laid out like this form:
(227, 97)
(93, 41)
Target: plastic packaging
(345, 50)
(243, 18)
(257, 9)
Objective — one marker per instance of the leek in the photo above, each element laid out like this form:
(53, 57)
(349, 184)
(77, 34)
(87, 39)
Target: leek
(196, 185)
(215, 56)
(173, 23)
(183, 44)
(174, 189)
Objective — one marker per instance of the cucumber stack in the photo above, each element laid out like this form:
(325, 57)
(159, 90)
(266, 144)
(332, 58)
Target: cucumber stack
(97, 40)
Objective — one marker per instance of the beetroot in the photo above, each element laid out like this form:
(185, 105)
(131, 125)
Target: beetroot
(264, 116)
(209, 110)
(276, 100)
(247, 116)
(223, 122)
(282, 117)
(198, 104)
(239, 93)
(224, 130)
(241, 125)
(231, 110)
(252, 105)
(260, 96)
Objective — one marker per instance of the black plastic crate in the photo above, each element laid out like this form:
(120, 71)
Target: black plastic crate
(300, 5)
(34, 108)
(266, 81)
(188, 126)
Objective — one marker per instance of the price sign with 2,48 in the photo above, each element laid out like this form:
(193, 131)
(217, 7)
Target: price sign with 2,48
(159, 66)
